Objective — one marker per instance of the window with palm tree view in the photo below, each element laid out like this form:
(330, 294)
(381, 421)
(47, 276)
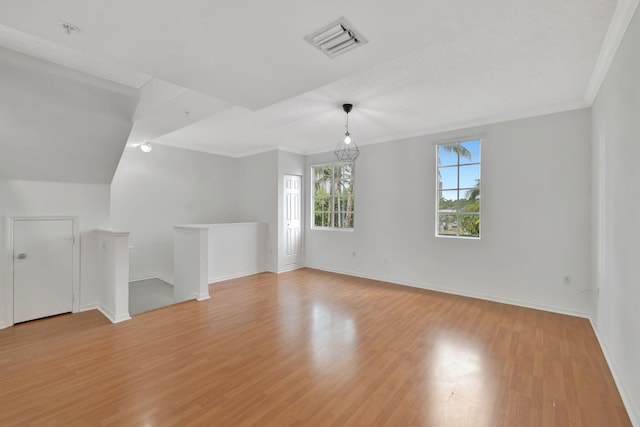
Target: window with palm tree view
(458, 191)
(333, 202)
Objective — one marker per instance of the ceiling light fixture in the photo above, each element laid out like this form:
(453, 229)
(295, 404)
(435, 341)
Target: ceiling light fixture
(347, 150)
(146, 147)
(69, 27)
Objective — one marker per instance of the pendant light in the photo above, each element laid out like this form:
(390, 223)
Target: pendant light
(347, 150)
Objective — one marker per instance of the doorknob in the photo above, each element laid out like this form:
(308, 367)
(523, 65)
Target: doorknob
(22, 256)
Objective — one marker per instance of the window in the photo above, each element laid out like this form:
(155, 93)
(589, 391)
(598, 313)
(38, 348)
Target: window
(333, 203)
(458, 189)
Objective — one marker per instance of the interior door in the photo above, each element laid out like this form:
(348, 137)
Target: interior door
(292, 219)
(42, 268)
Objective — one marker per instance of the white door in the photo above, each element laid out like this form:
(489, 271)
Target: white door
(42, 268)
(292, 219)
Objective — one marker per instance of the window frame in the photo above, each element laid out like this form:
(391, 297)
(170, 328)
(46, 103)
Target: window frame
(458, 213)
(313, 181)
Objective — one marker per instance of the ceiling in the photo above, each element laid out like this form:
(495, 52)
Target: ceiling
(58, 124)
(236, 76)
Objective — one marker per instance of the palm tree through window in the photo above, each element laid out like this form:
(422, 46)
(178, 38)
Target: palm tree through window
(458, 189)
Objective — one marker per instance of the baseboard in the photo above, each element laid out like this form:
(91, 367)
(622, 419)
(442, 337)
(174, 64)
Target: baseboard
(122, 317)
(476, 295)
(201, 297)
(113, 318)
(267, 270)
(233, 276)
(632, 411)
(162, 278)
(87, 307)
(106, 313)
(290, 268)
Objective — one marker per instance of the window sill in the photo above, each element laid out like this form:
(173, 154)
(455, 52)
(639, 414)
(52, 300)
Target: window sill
(347, 230)
(444, 236)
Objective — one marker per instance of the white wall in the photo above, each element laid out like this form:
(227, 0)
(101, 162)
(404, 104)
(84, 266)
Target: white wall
(152, 192)
(113, 248)
(535, 216)
(288, 164)
(236, 249)
(260, 196)
(191, 262)
(257, 198)
(616, 208)
(89, 202)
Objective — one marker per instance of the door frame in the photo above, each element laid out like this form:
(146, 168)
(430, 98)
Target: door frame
(8, 250)
(281, 268)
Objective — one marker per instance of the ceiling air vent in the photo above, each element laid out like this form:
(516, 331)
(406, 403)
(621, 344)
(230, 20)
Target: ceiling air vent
(336, 38)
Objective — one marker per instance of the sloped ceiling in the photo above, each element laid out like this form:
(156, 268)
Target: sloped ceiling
(255, 84)
(60, 125)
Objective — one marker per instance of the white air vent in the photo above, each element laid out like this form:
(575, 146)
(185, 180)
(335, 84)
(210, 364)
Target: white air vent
(336, 38)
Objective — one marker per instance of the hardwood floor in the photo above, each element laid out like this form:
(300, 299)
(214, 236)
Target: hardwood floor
(310, 348)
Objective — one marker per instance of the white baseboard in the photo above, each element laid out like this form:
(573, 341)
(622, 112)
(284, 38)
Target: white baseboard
(106, 313)
(632, 410)
(87, 307)
(113, 318)
(122, 317)
(164, 279)
(476, 295)
(135, 281)
(142, 279)
(291, 267)
(233, 276)
(201, 297)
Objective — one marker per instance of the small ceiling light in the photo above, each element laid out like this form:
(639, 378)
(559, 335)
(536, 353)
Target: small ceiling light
(69, 27)
(146, 147)
(347, 150)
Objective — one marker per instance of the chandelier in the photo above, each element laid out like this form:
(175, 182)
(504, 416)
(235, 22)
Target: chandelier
(347, 150)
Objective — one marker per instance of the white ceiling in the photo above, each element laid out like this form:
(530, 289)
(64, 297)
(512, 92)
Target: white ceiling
(253, 83)
(57, 124)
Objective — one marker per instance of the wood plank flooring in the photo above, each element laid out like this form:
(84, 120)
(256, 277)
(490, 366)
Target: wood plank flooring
(310, 348)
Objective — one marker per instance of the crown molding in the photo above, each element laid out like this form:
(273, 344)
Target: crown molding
(617, 28)
(473, 126)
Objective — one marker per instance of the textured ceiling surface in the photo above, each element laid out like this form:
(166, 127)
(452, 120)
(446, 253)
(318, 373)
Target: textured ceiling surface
(253, 83)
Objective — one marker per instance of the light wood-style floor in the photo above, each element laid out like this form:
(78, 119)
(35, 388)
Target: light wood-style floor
(310, 348)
